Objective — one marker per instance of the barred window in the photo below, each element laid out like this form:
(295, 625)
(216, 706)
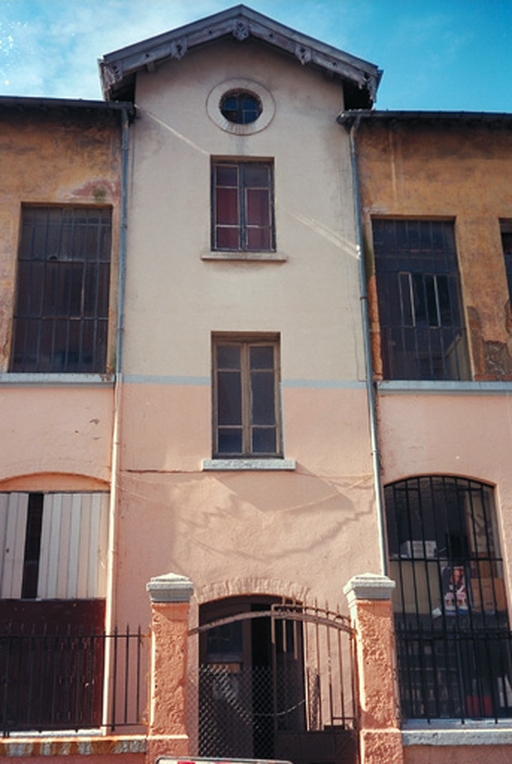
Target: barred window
(506, 241)
(421, 323)
(454, 647)
(63, 282)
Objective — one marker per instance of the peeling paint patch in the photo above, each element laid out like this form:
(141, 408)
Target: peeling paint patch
(492, 358)
(99, 190)
(498, 363)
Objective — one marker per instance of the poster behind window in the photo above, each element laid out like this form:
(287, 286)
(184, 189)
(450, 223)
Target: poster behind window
(455, 592)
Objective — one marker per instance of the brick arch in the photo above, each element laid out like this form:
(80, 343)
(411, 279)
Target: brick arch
(250, 585)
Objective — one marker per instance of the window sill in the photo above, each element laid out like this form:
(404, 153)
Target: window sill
(270, 257)
(443, 386)
(56, 380)
(453, 732)
(228, 465)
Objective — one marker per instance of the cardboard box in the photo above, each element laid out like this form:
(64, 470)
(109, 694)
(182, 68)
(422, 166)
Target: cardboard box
(416, 548)
(488, 595)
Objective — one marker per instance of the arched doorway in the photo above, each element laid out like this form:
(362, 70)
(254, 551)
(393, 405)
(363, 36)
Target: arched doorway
(274, 681)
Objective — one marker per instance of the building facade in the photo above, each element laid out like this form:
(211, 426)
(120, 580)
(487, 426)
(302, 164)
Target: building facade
(435, 218)
(256, 335)
(246, 460)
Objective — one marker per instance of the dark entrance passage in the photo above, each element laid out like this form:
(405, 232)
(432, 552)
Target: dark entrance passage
(274, 681)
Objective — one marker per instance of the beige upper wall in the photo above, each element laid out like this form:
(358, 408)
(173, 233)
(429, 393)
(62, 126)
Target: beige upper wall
(175, 299)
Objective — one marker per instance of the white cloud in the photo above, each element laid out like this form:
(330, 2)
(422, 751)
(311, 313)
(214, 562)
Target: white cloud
(54, 44)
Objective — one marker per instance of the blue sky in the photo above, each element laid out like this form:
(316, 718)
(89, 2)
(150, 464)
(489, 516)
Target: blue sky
(436, 54)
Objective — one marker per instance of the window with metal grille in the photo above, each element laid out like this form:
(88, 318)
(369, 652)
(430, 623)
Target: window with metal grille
(421, 323)
(506, 241)
(243, 214)
(246, 397)
(453, 639)
(62, 299)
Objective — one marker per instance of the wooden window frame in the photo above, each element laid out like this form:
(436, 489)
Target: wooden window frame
(242, 226)
(247, 426)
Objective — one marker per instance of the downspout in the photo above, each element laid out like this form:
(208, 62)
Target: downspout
(370, 387)
(116, 438)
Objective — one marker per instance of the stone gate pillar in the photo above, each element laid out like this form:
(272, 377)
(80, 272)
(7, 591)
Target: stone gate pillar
(369, 599)
(170, 601)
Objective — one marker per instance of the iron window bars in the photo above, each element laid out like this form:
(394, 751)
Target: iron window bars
(62, 299)
(421, 324)
(453, 639)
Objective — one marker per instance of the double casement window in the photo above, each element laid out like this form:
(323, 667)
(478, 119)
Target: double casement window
(62, 299)
(246, 396)
(420, 312)
(243, 210)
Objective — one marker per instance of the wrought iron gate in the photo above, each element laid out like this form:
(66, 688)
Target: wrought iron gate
(291, 697)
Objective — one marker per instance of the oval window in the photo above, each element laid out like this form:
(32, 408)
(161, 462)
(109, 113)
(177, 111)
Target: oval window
(240, 107)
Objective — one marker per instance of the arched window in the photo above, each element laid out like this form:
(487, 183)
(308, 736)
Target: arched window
(453, 641)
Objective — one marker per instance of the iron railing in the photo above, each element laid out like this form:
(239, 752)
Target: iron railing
(454, 673)
(72, 682)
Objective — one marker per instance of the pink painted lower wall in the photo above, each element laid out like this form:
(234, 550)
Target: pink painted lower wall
(77, 758)
(167, 427)
(463, 754)
(97, 749)
(287, 533)
(61, 429)
(452, 434)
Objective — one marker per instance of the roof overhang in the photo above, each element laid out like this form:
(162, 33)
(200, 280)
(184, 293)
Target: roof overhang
(471, 118)
(26, 103)
(118, 69)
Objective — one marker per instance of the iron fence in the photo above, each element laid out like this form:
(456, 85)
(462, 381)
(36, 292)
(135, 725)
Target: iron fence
(454, 673)
(72, 682)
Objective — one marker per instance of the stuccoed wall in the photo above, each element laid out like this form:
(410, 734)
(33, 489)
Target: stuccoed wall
(54, 156)
(296, 533)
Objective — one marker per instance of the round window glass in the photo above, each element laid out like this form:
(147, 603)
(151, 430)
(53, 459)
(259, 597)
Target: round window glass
(240, 107)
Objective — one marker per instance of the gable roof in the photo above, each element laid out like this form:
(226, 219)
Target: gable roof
(118, 69)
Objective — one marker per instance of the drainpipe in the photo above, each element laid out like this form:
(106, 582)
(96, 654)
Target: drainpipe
(370, 387)
(116, 438)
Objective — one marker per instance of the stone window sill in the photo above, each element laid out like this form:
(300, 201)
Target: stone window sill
(228, 465)
(485, 732)
(56, 380)
(269, 257)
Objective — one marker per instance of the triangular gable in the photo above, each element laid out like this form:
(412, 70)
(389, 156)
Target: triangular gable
(118, 69)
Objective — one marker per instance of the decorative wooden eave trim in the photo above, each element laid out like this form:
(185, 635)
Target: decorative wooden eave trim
(119, 67)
